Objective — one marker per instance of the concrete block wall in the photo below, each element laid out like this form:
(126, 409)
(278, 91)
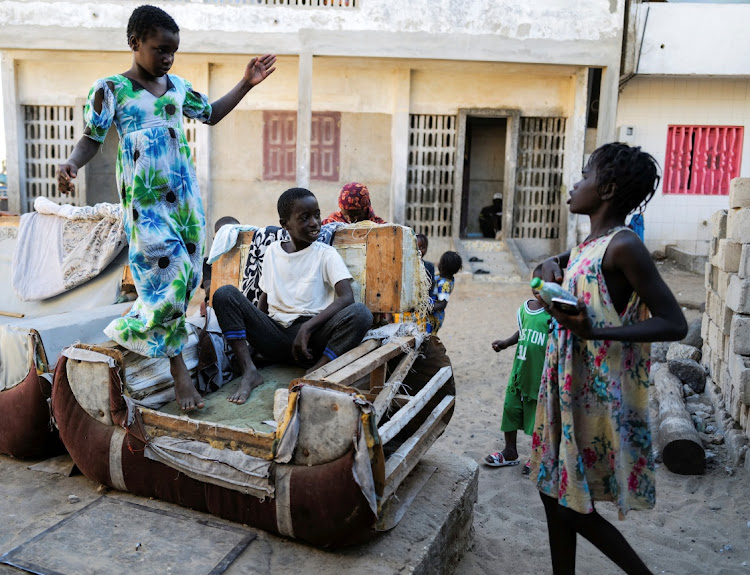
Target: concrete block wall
(726, 322)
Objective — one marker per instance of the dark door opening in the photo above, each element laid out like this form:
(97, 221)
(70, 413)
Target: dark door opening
(483, 177)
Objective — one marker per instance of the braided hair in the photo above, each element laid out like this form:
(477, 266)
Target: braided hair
(146, 18)
(632, 173)
(285, 205)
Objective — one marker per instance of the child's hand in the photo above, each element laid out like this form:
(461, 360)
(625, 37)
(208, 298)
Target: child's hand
(579, 324)
(65, 173)
(259, 69)
(500, 345)
(299, 347)
(551, 271)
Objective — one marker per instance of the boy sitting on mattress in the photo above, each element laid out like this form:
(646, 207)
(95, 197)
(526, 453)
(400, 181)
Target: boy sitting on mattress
(306, 313)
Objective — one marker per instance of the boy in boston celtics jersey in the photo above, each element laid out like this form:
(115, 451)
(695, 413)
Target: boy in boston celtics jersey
(521, 394)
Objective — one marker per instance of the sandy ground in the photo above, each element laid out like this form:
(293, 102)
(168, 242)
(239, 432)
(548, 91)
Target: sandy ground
(695, 516)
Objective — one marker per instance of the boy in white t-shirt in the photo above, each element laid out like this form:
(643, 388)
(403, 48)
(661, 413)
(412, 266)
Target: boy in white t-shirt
(306, 313)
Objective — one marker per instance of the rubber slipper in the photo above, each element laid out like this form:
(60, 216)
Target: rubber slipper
(527, 468)
(498, 460)
(475, 259)
(481, 271)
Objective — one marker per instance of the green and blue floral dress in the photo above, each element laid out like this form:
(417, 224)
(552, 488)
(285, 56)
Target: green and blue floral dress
(162, 207)
(592, 440)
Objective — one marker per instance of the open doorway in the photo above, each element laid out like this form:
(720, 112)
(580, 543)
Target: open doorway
(483, 178)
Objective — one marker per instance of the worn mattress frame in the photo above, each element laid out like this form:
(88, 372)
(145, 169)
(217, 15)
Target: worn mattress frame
(321, 504)
(26, 430)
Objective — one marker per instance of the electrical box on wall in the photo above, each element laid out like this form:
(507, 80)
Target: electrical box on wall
(626, 134)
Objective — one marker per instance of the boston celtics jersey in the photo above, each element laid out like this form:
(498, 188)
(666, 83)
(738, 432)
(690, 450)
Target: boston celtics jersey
(530, 352)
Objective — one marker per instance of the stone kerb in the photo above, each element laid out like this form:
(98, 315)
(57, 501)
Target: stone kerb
(726, 322)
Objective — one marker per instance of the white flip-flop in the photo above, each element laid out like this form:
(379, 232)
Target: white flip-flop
(498, 460)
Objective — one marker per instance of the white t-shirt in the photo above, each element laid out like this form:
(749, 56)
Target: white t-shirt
(301, 283)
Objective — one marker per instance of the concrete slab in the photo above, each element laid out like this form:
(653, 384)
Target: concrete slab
(431, 538)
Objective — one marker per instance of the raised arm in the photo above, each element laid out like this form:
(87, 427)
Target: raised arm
(256, 71)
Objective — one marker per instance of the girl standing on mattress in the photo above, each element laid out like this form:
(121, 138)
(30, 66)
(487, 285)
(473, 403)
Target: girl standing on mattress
(162, 208)
(592, 440)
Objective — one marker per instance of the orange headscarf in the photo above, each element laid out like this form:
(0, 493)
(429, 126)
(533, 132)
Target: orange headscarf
(354, 196)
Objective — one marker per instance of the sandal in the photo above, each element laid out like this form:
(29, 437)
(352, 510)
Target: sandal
(498, 460)
(527, 468)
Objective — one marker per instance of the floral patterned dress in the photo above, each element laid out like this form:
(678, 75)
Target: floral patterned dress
(592, 440)
(163, 213)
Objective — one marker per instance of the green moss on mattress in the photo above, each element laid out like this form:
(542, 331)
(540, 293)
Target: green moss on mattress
(257, 409)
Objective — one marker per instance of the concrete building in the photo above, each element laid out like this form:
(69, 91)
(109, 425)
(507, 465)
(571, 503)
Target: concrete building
(685, 98)
(436, 106)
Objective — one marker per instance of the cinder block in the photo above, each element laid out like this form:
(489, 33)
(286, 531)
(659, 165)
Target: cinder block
(738, 225)
(739, 193)
(723, 283)
(707, 276)
(728, 256)
(715, 278)
(713, 251)
(719, 225)
(719, 313)
(704, 326)
(740, 335)
(710, 306)
(739, 372)
(744, 271)
(738, 294)
(713, 337)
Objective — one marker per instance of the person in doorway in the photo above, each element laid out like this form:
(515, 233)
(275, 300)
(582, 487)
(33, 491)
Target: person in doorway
(306, 313)
(491, 217)
(162, 208)
(354, 206)
(519, 408)
(592, 440)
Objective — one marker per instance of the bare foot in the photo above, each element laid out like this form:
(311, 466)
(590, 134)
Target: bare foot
(250, 380)
(186, 395)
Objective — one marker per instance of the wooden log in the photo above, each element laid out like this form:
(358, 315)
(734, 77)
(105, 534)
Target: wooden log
(406, 457)
(677, 440)
(345, 359)
(404, 415)
(366, 364)
(393, 385)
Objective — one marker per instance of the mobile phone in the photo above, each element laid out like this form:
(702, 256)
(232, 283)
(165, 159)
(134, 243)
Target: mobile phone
(566, 306)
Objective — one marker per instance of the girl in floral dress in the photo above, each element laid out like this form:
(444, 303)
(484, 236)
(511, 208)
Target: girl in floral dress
(162, 208)
(592, 440)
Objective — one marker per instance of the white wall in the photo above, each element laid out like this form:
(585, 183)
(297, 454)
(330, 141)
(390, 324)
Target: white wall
(651, 105)
(708, 39)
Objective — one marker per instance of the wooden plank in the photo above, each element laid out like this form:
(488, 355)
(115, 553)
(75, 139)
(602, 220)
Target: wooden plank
(255, 443)
(377, 377)
(350, 236)
(405, 414)
(367, 363)
(225, 271)
(345, 359)
(384, 269)
(406, 457)
(392, 387)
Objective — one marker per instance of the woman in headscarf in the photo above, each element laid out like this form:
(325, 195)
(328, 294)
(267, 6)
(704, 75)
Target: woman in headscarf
(354, 206)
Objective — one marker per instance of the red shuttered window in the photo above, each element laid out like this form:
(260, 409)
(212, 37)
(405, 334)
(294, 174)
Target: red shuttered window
(280, 146)
(701, 160)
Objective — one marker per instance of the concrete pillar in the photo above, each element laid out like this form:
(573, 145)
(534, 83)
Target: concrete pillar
(304, 119)
(399, 144)
(203, 157)
(607, 130)
(575, 139)
(13, 134)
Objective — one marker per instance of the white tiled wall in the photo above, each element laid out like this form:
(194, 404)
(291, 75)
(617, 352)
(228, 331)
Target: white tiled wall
(651, 105)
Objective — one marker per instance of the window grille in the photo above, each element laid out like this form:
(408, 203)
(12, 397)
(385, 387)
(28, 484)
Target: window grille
(701, 160)
(431, 174)
(280, 146)
(49, 137)
(539, 178)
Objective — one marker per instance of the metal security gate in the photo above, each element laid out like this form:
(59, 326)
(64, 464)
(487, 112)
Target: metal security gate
(49, 137)
(431, 174)
(539, 178)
